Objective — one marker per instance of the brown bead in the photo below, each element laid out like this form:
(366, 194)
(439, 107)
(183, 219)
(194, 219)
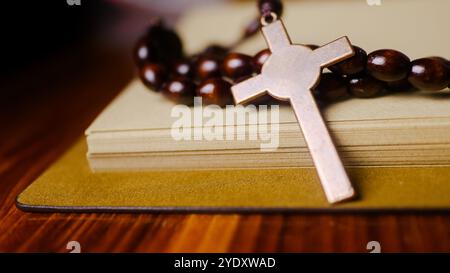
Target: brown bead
(153, 75)
(193, 59)
(353, 65)
(160, 44)
(429, 74)
(180, 90)
(267, 6)
(141, 51)
(215, 51)
(388, 65)
(365, 86)
(447, 62)
(215, 91)
(243, 78)
(183, 68)
(400, 86)
(330, 87)
(260, 58)
(207, 67)
(237, 65)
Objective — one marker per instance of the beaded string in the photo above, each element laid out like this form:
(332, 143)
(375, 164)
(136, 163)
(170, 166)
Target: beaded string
(163, 67)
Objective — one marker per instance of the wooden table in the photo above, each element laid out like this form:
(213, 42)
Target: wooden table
(46, 108)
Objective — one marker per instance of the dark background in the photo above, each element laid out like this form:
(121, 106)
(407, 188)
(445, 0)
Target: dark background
(34, 33)
(35, 30)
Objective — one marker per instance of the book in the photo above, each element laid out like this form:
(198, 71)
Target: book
(137, 131)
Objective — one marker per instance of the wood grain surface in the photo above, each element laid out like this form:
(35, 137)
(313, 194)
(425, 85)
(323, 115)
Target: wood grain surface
(47, 107)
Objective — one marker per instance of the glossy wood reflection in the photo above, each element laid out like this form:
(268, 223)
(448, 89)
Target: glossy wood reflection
(215, 91)
(388, 65)
(237, 65)
(430, 74)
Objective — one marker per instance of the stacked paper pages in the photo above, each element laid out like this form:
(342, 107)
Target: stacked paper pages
(143, 130)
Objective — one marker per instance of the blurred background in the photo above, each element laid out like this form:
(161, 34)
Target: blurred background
(34, 32)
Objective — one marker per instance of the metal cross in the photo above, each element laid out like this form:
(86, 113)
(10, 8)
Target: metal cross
(289, 74)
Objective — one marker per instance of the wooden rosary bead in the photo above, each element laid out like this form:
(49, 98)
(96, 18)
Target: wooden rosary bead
(447, 62)
(267, 6)
(388, 65)
(153, 75)
(180, 90)
(241, 79)
(237, 65)
(260, 58)
(207, 67)
(215, 91)
(141, 51)
(331, 87)
(429, 74)
(365, 86)
(400, 86)
(215, 51)
(183, 68)
(353, 65)
(160, 44)
(165, 43)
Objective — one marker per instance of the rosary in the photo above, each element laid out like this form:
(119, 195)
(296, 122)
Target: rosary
(287, 72)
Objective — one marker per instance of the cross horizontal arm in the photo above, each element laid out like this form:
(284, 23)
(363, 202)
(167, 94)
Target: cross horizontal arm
(333, 52)
(249, 89)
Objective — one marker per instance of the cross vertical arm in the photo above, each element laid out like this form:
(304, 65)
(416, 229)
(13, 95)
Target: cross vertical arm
(330, 169)
(276, 35)
(333, 52)
(249, 89)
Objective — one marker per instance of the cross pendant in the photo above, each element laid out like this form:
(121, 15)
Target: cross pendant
(289, 74)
